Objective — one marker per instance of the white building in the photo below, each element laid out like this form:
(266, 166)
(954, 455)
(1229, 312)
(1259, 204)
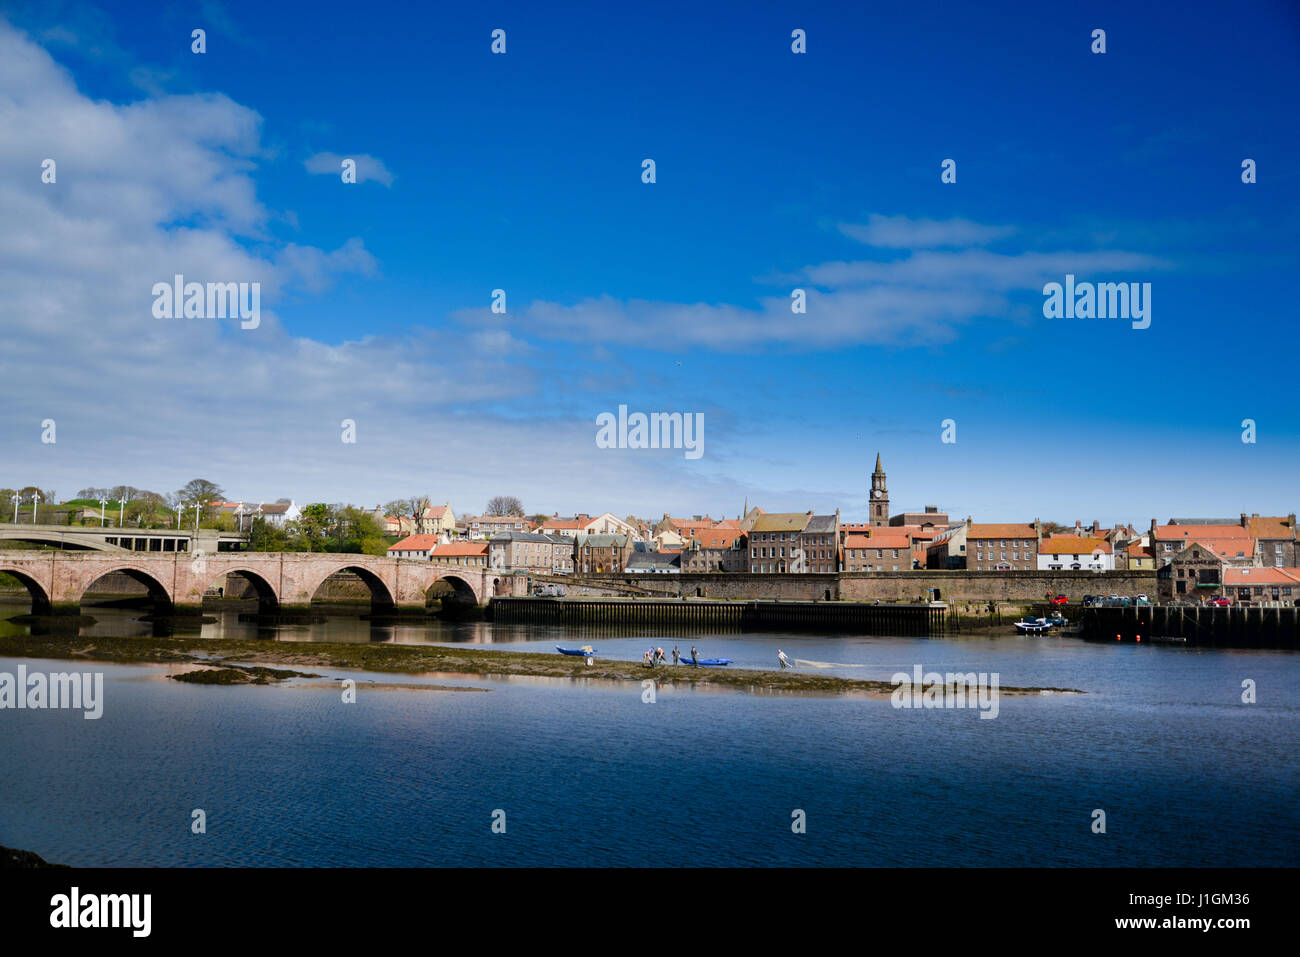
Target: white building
(1075, 553)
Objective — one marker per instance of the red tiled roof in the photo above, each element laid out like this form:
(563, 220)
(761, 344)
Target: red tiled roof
(1004, 530)
(1269, 527)
(415, 543)
(1190, 533)
(882, 538)
(460, 548)
(1074, 545)
(1261, 576)
(718, 537)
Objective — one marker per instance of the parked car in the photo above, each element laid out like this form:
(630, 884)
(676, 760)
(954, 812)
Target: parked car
(1220, 602)
(1143, 598)
(1060, 600)
(1089, 600)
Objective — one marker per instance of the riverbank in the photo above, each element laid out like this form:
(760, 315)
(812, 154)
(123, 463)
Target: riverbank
(419, 659)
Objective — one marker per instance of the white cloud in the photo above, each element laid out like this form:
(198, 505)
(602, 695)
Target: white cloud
(903, 232)
(368, 167)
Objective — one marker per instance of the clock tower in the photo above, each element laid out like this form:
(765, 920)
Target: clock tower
(879, 503)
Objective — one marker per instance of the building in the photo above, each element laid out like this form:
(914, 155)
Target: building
(485, 526)
(1275, 539)
(716, 550)
(473, 554)
(562, 547)
(611, 524)
(879, 503)
(819, 545)
(947, 551)
(1227, 537)
(1261, 584)
(773, 540)
(931, 518)
(415, 546)
(276, 514)
(1136, 557)
(437, 519)
(1076, 553)
(884, 550)
(567, 526)
(1011, 546)
(526, 551)
(1196, 570)
(600, 553)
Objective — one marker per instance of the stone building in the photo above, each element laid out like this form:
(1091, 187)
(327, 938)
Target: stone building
(820, 543)
(773, 540)
(600, 553)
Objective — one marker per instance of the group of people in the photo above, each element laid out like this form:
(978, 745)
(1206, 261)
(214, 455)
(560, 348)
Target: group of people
(654, 657)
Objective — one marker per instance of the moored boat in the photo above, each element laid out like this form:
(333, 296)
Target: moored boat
(1033, 626)
(707, 662)
(586, 651)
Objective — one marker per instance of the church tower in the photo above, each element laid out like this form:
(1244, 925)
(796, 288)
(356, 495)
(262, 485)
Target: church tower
(879, 496)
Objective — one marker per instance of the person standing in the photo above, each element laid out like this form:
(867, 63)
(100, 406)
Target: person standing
(785, 662)
(676, 656)
(695, 658)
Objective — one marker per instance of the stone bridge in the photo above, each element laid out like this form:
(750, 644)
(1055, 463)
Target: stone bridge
(57, 580)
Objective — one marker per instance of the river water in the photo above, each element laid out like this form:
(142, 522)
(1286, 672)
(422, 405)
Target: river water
(590, 773)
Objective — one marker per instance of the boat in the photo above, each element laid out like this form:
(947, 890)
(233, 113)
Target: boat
(1033, 626)
(707, 662)
(586, 651)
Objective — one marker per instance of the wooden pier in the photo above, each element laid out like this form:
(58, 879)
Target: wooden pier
(911, 620)
(1234, 626)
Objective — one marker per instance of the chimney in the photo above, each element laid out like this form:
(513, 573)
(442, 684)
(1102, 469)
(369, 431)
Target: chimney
(1243, 519)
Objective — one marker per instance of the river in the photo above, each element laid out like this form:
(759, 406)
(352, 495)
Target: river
(590, 773)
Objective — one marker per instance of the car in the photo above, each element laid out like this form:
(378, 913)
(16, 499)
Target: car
(1220, 602)
(1143, 598)
(1112, 597)
(1090, 600)
(1060, 600)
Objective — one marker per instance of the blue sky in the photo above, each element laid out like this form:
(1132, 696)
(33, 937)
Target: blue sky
(774, 171)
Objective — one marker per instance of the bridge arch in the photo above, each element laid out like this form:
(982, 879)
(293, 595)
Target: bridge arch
(381, 596)
(454, 594)
(158, 592)
(41, 604)
(268, 602)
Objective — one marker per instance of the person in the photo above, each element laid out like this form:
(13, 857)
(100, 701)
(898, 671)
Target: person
(659, 653)
(676, 656)
(695, 658)
(785, 662)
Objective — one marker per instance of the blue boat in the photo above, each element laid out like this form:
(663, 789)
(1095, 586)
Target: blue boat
(584, 652)
(1033, 626)
(707, 662)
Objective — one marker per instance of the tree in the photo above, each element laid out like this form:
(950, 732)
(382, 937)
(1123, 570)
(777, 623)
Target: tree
(199, 492)
(505, 505)
(537, 520)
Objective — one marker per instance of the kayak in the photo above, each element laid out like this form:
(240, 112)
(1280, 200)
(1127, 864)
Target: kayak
(577, 652)
(708, 662)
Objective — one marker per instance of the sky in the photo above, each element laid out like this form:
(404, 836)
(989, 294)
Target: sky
(774, 171)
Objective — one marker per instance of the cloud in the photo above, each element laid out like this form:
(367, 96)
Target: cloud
(902, 232)
(368, 167)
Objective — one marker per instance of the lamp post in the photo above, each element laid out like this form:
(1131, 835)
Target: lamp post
(121, 511)
(18, 497)
(103, 506)
(36, 497)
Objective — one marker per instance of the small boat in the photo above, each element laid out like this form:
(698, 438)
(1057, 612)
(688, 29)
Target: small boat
(586, 651)
(1033, 626)
(707, 662)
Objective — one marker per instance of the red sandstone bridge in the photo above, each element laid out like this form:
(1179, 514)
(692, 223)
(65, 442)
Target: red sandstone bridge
(59, 579)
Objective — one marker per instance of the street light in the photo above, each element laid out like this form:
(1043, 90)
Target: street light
(35, 498)
(103, 505)
(121, 512)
